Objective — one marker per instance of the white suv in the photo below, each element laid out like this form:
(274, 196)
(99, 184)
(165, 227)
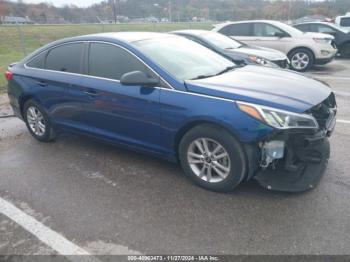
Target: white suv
(303, 49)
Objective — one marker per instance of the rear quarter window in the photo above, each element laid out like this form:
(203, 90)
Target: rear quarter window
(38, 61)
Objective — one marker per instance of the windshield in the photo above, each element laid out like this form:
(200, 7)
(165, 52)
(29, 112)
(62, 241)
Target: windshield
(221, 41)
(183, 58)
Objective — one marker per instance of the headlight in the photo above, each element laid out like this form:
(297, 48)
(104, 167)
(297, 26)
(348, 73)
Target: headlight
(278, 118)
(262, 61)
(323, 40)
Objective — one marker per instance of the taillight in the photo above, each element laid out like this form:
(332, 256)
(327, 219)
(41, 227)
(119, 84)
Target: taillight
(8, 75)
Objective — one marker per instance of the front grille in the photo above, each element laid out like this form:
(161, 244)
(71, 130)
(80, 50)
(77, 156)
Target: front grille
(282, 63)
(324, 111)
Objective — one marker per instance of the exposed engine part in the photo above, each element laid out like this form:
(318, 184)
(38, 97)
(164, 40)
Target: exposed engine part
(271, 151)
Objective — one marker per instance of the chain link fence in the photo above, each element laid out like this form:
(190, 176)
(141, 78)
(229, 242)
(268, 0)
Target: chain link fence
(16, 41)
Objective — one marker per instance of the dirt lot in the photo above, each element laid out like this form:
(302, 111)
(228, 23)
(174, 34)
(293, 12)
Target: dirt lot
(106, 200)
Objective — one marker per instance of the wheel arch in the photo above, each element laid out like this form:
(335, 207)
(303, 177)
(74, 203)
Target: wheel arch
(194, 123)
(22, 100)
(302, 47)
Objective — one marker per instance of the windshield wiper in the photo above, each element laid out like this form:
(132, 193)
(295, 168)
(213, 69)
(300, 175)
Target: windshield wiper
(227, 69)
(202, 77)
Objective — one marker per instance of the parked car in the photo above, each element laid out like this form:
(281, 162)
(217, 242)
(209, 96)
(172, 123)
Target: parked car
(237, 51)
(343, 21)
(341, 35)
(303, 49)
(173, 98)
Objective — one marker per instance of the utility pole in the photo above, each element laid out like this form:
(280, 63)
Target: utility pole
(117, 8)
(289, 10)
(170, 11)
(114, 11)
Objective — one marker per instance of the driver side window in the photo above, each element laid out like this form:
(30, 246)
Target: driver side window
(266, 30)
(110, 61)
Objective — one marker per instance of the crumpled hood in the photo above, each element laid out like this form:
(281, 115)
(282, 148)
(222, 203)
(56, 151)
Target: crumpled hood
(316, 35)
(278, 88)
(262, 52)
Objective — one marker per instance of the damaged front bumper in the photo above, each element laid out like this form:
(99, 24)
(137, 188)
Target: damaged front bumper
(302, 167)
(295, 160)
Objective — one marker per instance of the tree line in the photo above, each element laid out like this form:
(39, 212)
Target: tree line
(174, 10)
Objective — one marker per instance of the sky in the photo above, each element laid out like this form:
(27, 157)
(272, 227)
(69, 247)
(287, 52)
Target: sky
(80, 3)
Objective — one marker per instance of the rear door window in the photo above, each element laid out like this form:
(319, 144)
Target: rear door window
(65, 58)
(243, 29)
(110, 61)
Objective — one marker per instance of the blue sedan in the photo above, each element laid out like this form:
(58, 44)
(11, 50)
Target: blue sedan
(173, 98)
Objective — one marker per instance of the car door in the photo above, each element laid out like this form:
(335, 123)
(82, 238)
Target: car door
(55, 70)
(270, 36)
(124, 114)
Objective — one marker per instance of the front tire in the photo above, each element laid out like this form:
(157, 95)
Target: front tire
(301, 59)
(212, 158)
(38, 122)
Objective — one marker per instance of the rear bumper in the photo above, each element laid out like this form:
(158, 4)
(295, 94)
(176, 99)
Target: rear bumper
(15, 106)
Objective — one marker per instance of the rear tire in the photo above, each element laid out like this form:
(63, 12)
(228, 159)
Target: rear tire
(212, 158)
(301, 59)
(38, 122)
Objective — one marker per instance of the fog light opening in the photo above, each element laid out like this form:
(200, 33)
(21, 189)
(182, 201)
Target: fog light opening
(270, 152)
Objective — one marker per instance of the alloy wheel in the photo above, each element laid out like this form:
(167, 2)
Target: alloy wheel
(36, 121)
(300, 61)
(209, 160)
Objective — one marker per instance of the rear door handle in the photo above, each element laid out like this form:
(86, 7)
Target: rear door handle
(91, 93)
(41, 83)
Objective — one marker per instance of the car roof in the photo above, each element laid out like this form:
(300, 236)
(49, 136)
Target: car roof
(113, 37)
(250, 21)
(218, 27)
(315, 22)
(192, 32)
(128, 37)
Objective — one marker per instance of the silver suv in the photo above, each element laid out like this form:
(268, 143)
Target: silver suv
(303, 49)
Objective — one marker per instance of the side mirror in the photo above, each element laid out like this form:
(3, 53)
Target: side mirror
(280, 35)
(138, 78)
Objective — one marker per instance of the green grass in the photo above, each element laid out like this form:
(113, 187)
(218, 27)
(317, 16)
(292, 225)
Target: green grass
(35, 36)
